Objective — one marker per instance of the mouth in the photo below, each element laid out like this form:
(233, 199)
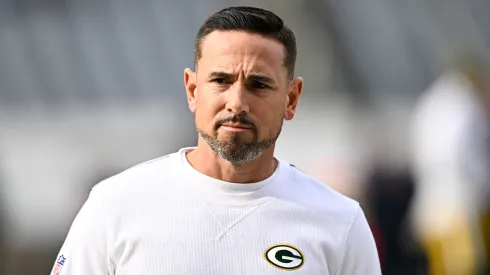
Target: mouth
(236, 127)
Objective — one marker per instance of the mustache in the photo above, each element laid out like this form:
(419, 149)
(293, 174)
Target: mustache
(237, 118)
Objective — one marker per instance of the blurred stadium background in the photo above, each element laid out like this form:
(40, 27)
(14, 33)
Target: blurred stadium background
(89, 88)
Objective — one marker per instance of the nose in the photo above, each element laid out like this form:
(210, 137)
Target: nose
(236, 101)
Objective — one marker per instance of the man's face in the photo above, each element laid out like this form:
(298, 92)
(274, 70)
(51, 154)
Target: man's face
(241, 93)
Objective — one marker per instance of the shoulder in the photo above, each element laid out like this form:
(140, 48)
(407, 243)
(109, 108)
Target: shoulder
(135, 183)
(320, 199)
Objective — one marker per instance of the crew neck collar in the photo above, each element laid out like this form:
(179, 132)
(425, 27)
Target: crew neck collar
(222, 192)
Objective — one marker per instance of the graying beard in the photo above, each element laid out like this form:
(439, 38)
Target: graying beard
(236, 152)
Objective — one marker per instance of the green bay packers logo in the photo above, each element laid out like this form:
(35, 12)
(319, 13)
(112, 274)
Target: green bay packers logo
(284, 257)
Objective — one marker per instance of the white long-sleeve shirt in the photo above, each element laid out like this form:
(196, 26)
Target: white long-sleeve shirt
(164, 217)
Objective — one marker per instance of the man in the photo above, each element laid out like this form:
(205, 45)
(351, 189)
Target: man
(450, 157)
(227, 206)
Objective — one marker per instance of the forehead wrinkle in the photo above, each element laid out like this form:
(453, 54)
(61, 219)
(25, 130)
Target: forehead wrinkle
(253, 69)
(248, 54)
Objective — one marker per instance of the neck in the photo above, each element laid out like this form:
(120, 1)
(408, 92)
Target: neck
(206, 161)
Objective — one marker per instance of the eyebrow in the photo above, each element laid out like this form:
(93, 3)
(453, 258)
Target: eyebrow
(221, 75)
(261, 78)
(254, 77)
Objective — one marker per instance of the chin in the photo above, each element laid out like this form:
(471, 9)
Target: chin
(235, 140)
(235, 137)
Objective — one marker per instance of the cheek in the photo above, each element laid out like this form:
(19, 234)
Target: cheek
(207, 107)
(271, 119)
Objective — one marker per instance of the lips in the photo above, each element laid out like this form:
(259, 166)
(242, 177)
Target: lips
(237, 125)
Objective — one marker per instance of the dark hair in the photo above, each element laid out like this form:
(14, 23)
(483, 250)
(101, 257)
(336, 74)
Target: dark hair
(253, 20)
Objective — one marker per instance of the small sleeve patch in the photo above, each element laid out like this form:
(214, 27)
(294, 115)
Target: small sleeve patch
(59, 265)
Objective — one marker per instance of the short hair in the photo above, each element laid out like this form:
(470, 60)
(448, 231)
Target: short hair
(253, 20)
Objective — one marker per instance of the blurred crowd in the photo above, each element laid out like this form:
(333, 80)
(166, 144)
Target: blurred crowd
(395, 114)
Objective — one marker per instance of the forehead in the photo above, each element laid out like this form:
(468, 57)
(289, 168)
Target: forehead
(251, 52)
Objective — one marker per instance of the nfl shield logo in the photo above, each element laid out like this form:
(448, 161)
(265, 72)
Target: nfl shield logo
(59, 265)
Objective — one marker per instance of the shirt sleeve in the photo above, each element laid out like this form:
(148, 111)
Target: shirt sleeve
(360, 255)
(85, 249)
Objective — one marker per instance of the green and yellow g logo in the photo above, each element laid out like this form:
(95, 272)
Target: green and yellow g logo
(285, 257)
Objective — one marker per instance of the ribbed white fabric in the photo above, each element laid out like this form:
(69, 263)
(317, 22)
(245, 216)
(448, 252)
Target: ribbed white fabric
(164, 217)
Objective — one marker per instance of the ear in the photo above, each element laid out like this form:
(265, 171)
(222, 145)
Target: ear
(190, 88)
(294, 92)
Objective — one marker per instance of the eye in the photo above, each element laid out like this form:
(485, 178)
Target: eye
(257, 85)
(219, 81)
